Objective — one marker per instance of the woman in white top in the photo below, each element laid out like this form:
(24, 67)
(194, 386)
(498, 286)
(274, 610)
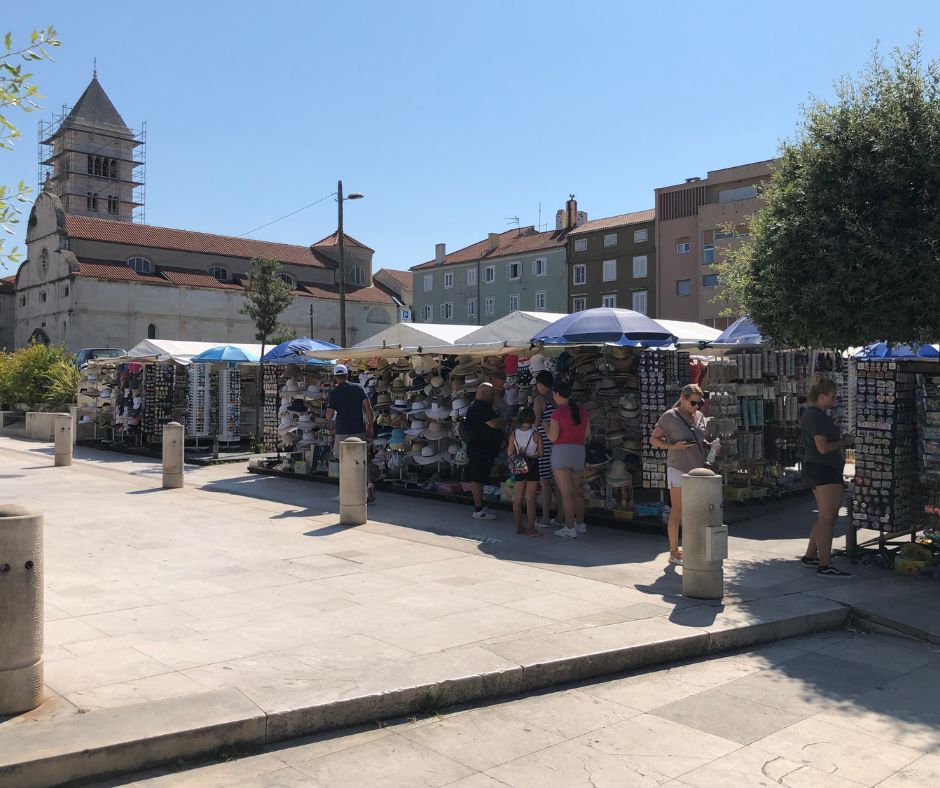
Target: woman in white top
(525, 440)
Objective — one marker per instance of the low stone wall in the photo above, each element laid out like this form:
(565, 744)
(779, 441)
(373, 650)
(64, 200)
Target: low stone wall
(41, 425)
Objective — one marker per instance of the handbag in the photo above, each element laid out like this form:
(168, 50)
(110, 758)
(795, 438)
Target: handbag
(519, 463)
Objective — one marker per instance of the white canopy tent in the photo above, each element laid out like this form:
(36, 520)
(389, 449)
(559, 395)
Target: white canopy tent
(515, 328)
(690, 333)
(402, 339)
(179, 351)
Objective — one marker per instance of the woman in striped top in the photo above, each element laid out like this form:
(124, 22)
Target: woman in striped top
(544, 406)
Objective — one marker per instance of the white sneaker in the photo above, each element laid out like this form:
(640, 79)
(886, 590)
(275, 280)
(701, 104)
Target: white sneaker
(570, 533)
(484, 514)
(581, 528)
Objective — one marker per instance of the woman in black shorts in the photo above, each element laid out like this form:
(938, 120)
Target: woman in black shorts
(823, 461)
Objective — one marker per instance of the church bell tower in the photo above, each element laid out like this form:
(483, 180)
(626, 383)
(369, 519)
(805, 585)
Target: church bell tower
(93, 160)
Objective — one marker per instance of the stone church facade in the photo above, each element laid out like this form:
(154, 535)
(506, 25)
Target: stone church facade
(93, 277)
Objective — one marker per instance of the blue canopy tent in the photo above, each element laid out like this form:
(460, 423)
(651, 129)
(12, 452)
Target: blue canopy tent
(884, 350)
(293, 352)
(741, 332)
(604, 325)
(230, 353)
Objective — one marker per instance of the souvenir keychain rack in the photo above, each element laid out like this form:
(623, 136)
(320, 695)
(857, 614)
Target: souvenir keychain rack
(886, 490)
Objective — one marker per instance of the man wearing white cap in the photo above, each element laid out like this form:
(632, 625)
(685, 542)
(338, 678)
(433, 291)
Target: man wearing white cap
(353, 411)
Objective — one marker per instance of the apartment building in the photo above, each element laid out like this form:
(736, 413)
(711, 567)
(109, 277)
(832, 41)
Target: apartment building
(612, 262)
(695, 221)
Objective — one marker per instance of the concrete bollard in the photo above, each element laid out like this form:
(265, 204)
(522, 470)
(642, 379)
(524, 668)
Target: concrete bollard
(353, 482)
(63, 439)
(173, 455)
(21, 614)
(704, 536)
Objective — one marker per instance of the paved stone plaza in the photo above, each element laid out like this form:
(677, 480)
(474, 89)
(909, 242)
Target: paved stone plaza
(238, 607)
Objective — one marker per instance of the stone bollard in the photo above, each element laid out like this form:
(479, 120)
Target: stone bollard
(63, 439)
(704, 537)
(353, 482)
(21, 614)
(172, 455)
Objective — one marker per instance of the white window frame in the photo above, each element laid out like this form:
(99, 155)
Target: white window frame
(639, 236)
(708, 254)
(220, 273)
(356, 275)
(580, 244)
(141, 265)
(427, 312)
(578, 303)
(471, 276)
(448, 280)
(489, 306)
(609, 271)
(489, 274)
(579, 274)
(428, 283)
(640, 266)
(513, 268)
(540, 300)
(683, 295)
(540, 266)
(446, 310)
(515, 300)
(683, 248)
(471, 307)
(610, 239)
(286, 277)
(633, 301)
(609, 300)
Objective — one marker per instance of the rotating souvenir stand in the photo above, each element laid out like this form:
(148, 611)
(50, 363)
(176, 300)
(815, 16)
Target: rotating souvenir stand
(129, 404)
(663, 373)
(754, 396)
(229, 424)
(198, 414)
(273, 376)
(928, 438)
(157, 384)
(886, 490)
(95, 400)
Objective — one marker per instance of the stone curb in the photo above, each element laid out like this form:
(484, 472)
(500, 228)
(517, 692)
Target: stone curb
(141, 736)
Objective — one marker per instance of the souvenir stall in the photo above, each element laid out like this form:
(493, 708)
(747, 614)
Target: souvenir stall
(896, 486)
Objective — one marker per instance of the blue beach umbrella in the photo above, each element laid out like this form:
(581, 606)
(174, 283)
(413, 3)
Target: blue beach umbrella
(608, 326)
(292, 351)
(225, 353)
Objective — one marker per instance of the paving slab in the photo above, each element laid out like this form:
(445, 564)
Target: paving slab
(249, 585)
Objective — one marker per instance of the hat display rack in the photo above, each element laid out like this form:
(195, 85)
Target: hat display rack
(96, 401)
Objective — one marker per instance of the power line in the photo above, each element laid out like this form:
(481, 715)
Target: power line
(286, 216)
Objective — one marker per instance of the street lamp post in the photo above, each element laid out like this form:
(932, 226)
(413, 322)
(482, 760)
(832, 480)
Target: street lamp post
(342, 259)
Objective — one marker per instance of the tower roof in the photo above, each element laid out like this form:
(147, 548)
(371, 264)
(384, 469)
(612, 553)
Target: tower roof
(94, 106)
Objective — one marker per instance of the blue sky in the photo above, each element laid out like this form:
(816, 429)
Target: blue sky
(449, 117)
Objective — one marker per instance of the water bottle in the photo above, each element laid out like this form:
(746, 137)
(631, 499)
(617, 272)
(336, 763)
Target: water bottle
(713, 451)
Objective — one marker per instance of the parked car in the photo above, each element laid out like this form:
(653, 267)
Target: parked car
(86, 354)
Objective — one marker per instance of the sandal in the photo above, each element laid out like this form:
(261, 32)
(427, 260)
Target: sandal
(532, 532)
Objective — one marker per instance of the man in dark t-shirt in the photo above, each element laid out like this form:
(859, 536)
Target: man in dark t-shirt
(483, 425)
(353, 411)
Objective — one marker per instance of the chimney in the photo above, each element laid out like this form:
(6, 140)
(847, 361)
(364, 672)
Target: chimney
(440, 252)
(492, 242)
(694, 179)
(571, 213)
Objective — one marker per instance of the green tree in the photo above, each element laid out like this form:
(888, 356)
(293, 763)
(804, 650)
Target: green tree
(845, 249)
(283, 333)
(40, 375)
(266, 296)
(18, 92)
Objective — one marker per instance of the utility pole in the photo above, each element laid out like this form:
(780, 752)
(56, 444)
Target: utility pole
(342, 267)
(311, 322)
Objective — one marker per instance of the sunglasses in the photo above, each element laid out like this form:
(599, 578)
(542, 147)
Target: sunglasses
(696, 403)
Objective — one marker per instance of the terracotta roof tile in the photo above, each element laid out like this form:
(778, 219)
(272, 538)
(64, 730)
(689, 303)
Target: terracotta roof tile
(333, 240)
(404, 278)
(511, 242)
(145, 235)
(117, 272)
(8, 284)
(368, 295)
(189, 278)
(620, 220)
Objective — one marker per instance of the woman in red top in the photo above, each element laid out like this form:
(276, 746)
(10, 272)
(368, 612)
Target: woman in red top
(568, 431)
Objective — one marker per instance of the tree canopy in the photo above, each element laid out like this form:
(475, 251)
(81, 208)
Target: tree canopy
(17, 91)
(845, 249)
